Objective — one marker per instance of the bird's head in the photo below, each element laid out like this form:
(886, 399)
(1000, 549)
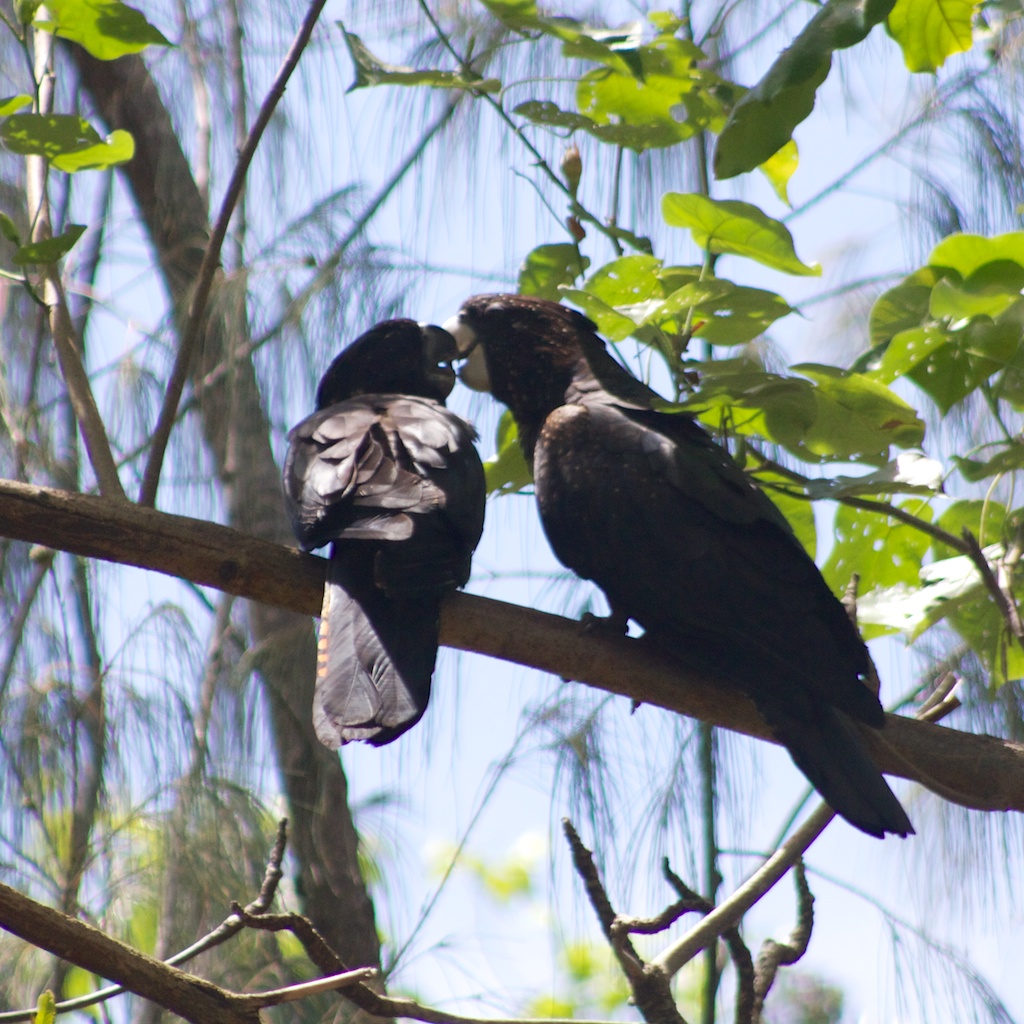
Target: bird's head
(523, 350)
(395, 357)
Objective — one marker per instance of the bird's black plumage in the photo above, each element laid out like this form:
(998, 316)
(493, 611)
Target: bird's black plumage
(390, 478)
(647, 506)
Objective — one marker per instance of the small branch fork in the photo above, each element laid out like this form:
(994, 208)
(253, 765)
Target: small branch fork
(650, 982)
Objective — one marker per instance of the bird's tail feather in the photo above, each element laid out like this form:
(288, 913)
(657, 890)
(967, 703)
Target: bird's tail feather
(826, 748)
(375, 659)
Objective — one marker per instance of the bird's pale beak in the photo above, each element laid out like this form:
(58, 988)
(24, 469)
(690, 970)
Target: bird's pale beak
(473, 372)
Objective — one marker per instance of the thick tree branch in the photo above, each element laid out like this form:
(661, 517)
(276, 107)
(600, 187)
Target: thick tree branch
(982, 772)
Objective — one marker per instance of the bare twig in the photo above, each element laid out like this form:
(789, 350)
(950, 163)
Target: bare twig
(650, 986)
(211, 260)
(774, 954)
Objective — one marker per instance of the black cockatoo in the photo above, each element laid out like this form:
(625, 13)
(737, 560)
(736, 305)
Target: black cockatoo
(647, 506)
(390, 478)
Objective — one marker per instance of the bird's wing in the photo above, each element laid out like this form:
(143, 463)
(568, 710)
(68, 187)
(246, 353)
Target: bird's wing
(363, 469)
(647, 506)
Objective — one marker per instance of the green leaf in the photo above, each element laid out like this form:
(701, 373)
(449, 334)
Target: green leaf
(884, 552)
(69, 142)
(548, 267)
(507, 471)
(907, 350)
(971, 356)
(738, 315)
(903, 307)
(117, 148)
(929, 31)
(370, 70)
(988, 291)
(106, 28)
(731, 226)
(46, 1009)
(911, 607)
(626, 281)
(979, 622)
(762, 122)
(779, 168)
(908, 473)
(985, 519)
(1008, 460)
(612, 324)
(51, 249)
(967, 253)
(14, 103)
(662, 97)
(856, 416)
(9, 229)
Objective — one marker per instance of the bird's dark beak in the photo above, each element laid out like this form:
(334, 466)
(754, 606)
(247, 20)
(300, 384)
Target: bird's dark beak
(473, 372)
(439, 349)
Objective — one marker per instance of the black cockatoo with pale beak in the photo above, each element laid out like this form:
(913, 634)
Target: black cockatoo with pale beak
(660, 517)
(387, 476)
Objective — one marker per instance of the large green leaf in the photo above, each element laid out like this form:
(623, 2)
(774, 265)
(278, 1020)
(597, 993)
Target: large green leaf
(108, 29)
(371, 70)
(762, 122)
(548, 267)
(903, 307)
(929, 31)
(731, 226)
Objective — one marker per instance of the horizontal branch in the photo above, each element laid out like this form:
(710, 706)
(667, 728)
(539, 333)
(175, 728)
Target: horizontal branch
(982, 772)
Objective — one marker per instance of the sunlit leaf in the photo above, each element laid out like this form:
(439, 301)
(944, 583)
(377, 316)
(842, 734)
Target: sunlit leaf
(762, 122)
(967, 253)
(780, 167)
(929, 31)
(14, 103)
(106, 28)
(988, 291)
(371, 70)
(46, 1009)
(549, 266)
(884, 552)
(117, 148)
(51, 249)
(731, 226)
